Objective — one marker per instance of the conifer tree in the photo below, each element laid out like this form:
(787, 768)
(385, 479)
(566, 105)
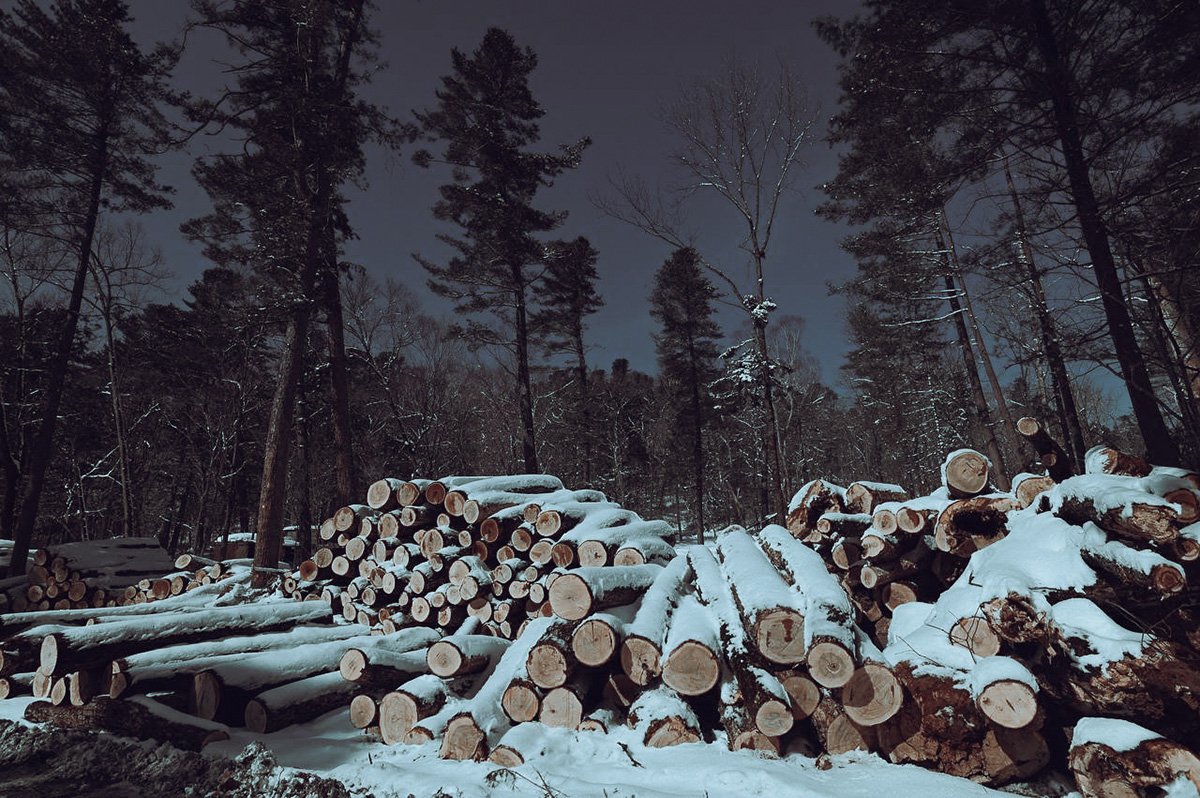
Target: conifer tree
(79, 118)
(277, 203)
(568, 296)
(487, 118)
(682, 303)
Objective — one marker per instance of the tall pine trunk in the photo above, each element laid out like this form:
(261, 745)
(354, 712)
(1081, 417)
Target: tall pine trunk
(524, 382)
(771, 439)
(339, 378)
(43, 445)
(697, 439)
(970, 366)
(1160, 448)
(585, 410)
(1064, 397)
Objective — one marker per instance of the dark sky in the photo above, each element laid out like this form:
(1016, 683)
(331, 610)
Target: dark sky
(605, 69)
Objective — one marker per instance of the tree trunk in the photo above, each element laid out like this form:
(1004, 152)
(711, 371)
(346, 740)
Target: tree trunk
(119, 428)
(339, 378)
(697, 441)
(1010, 425)
(964, 343)
(273, 493)
(524, 386)
(1160, 447)
(43, 448)
(584, 405)
(1061, 382)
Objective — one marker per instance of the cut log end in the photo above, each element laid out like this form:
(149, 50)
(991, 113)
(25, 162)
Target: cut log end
(830, 664)
(779, 636)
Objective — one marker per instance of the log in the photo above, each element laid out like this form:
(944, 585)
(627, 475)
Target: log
(596, 640)
(772, 611)
(872, 695)
(834, 525)
(804, 693)
(142, 721)
(692, 649)
(1027, 487)
(1010, 756)
(968, 525)
(374, 666)
(222, 690)
(584, 591)
(562, 707)
(1116, 506)
(509, 752)
(414, 701)
(1107, 460)
(1005, 692)
(297, 702)
(1056, 460)
(864, 497)
(86, 647)
(1115, 759)
(551, 659)
(522, 701)
(459, 655)
(641, 650)
(975, 635)
(810, 502)
(837, 732)
(828, 617)
(742, 733)
(664, 719)
(382, 494)
(965, 473)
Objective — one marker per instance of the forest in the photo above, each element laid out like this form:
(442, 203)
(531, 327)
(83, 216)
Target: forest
(1020, 183)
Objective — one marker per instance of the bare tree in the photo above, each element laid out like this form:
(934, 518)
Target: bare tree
(123, 271)
(741, 138)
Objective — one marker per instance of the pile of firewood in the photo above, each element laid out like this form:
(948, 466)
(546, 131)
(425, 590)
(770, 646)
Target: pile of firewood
(436, 552)
(101, 573)
(981, 633)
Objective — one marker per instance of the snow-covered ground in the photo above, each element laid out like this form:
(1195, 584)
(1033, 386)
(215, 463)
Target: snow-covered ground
(578, 764)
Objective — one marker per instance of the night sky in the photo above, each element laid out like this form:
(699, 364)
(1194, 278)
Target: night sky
(605, 69)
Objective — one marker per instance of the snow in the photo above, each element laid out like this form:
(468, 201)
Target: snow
(691, 622)
(634, 531)
(1109, 641)
(827, 609)
(880, 487)
(757, 585)
(650, 621)
(1107, 492)
(1120, 735)
(990, 670)
(1041, 552)
(332, 748)
(525, 484)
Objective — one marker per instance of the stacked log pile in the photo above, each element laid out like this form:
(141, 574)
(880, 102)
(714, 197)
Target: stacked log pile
(437, 552)
(984, 634)
(90, 573)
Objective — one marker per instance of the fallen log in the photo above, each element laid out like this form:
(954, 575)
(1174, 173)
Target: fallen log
(663, 719)
(584, 591)
(641, 650)
(297, 702)
(772, 612)
(128, 719)
(1114, 758)
(1056, 460)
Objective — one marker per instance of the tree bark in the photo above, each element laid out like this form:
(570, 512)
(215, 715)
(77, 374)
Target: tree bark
(1064, 397)
(1160, 447)
(43, 447)
(972, 369)
(524, 386)
(339, 379)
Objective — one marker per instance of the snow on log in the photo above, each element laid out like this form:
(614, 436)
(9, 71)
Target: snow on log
(1107, 460)
(772, 612)
(521, 742)
(458, 655)
(1115, 504)
(965, 473)
(814, 499)
(581, 592)
(691, 658)
(664, 719)
(641, 650)
(1113, 758)
(297, 702)
(864, 497)
(84, 647)
(829, 635)
(379, 665)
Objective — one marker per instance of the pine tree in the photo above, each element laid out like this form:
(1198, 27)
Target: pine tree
(567, 297)
(487, 118)
(682, 303)
(278, 204)
(79, 114)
